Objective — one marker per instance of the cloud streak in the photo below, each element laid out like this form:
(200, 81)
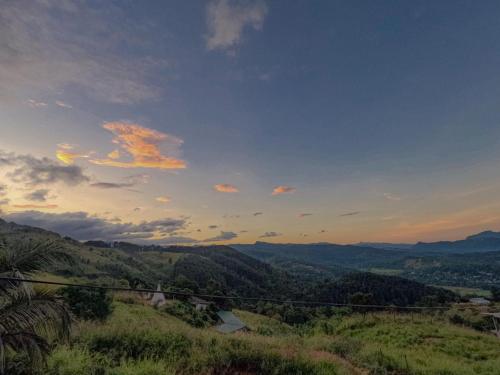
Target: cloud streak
(350, 213)
(270, 234)
(283, 189)
(143, 146)
(226, 188)
(223, 236)
(305, 214)
(51, 45)
(163, 199)
(226, 21)
(391, 197)
(31, 206)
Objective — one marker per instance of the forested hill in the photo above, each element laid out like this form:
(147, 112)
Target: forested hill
(326, 254)
(219, 270)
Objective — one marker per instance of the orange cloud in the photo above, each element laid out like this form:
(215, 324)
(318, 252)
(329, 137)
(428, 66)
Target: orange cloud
(67, 156)
(35, 206)
(282, 189)
(114, 154)
(163, 199)
(226, 188)
(142, 144)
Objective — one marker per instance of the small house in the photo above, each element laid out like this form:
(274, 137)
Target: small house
(199, 303)
(479, 301)
(230, 323)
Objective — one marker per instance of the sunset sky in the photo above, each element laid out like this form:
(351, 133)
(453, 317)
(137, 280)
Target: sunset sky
(228, 121)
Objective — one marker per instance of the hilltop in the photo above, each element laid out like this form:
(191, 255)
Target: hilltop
(222, 270)
(473, 262)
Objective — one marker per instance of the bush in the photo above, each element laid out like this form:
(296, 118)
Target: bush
(65, 361)
(188, 313)
(88, 304)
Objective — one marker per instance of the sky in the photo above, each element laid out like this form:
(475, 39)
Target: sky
(227, 121)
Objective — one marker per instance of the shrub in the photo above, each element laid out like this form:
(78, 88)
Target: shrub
(88, 304)
(188, 313)
(65, 361)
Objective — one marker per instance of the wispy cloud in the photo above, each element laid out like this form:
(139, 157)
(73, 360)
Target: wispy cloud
(66, 154)
(3, 190)
(43, 49)
(226, 21)
(128, 182)
(111, 185)
(304, 215)
(163, 199)
(39, 195)
(31, 206)
(391, 197)
(283, 189)
(62, 104)
(36, 104)
(350, 213)
(226, 188)
(270, 234)
(223, 236)
(143, 145)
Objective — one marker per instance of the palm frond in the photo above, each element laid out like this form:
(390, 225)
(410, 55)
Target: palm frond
(43, 314)
(30, 255)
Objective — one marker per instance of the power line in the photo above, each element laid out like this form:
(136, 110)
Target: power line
(214, 296)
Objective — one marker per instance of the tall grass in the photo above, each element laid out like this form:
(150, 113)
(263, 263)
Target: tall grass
(138, 339)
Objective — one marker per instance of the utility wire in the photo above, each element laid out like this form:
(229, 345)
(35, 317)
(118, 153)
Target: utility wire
(213, 296)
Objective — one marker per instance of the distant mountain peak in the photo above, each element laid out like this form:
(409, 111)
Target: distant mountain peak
(483, 235)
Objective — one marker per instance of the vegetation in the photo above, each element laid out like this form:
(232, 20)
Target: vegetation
(29, 319)
(88, 304)
(121, 334)
(138, 339)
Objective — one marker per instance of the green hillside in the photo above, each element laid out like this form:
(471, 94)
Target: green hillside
(138, 339)
(220, 270)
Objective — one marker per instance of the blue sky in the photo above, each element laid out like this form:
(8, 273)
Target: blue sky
(379, 119)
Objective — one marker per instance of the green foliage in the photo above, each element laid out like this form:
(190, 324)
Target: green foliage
(29, 319)
(188, 313)
(470, 318)
(345, 347)
(139, 345)
(88, 304)
(495, 294)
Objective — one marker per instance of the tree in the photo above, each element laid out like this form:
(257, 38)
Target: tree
(28, 317)
(495, 294)
(88, 304)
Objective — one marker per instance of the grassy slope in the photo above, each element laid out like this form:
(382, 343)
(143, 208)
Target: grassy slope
(421, 345)
(375, 343)
(171, 346)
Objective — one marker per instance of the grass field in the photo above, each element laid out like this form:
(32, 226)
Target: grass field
(462, 291)
(140, 340)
